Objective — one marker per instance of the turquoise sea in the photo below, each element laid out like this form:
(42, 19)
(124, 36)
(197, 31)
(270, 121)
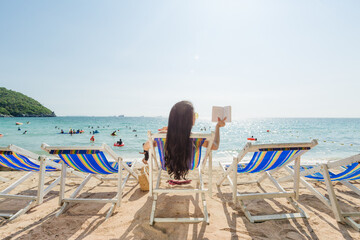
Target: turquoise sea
(337, 138)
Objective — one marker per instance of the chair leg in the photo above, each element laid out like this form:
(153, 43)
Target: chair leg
(62, 209)
(120, 184)
(210, 174)
(40, 193)
(334, 203)
(23, 210)
(111, 211)
(234, 181)
(62, 182)
(152, 216)
(206, 214)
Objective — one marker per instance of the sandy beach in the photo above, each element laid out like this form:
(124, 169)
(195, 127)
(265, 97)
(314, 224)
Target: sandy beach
(131, 220)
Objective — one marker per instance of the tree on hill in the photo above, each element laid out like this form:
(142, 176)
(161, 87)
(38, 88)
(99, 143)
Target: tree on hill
(19, 105)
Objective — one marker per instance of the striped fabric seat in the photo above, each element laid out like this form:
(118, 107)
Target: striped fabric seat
(351, 172)
(268, 159)
(89, 161)
(195, 152)
(20, 162)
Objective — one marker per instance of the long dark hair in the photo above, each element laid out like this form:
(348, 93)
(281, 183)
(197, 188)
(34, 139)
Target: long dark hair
(178, 145)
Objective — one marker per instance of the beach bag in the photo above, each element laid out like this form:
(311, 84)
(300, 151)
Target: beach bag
(143, 178)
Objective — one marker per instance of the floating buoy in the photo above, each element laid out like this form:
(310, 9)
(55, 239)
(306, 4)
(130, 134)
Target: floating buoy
(119, 145)
(267, 130)
(252, 139)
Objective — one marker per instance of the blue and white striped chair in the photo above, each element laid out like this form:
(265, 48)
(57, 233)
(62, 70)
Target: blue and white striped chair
(95, 162)
(343, 171)
(17, 158)
(266, 159)
(197, 163)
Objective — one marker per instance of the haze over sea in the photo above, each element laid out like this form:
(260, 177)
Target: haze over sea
(337, 137)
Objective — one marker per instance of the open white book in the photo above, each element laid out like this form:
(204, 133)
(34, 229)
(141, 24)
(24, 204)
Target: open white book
(221, 112)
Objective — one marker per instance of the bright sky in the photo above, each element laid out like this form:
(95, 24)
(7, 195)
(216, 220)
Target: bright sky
(264, 58)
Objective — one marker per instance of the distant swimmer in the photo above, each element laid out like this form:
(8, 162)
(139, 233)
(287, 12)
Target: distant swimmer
(113, 133)
(92, 139)
(19, 129)
(135, 135)
(27, 122)
(119, 142)
(25, 132)
(134, 130)
(62, 131)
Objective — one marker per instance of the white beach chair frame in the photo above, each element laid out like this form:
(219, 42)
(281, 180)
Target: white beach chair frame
(43, 161)
(331, 202)
(154, 162)
(115, 202)
(291, 196)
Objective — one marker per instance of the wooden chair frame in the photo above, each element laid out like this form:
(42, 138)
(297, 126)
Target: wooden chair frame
(291, 196)
(154, 162)
(331, 202)
(116, 201)
(43, 161)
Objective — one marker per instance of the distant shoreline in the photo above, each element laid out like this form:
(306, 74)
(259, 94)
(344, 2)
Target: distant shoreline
(10, 116)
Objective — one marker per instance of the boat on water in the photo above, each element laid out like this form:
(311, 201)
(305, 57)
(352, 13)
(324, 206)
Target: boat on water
(252, 139)
(18, 123)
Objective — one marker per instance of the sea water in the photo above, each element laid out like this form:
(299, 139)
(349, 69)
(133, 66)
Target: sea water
(337, 138)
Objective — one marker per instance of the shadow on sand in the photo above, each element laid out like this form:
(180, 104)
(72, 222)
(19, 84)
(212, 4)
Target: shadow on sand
(280, 229)
(167, 206)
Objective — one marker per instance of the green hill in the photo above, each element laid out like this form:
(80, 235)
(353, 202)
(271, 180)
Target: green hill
(15, 104)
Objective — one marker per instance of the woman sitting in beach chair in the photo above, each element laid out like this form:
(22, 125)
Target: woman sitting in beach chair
(179, 154)
(178, 145)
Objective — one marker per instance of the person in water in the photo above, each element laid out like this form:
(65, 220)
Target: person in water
(178, 147)
(25, 132)
(119, 142)
(113, 133)
(146, 155)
